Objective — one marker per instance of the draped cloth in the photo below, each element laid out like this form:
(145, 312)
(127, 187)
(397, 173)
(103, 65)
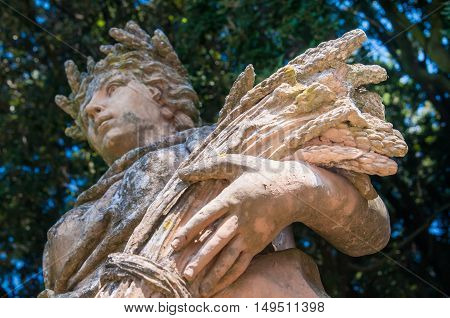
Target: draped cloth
(95, 232)
(155, 280)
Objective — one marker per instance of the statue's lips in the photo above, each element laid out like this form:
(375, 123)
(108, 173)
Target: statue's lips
(103, 124)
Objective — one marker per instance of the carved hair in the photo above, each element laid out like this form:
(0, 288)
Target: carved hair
(151, 60)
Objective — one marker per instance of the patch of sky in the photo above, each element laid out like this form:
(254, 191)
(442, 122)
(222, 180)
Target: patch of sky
(6, 287)
(387, 24)
(17, 283)
(32, 39)
(378, 51)
(381, 13)
(397, 229)
(18, 263)
(72, 186)
(365, 25)
(417, 86)
(396, 66)
(29, 169)
(224, 33)
(75, 184)
(224, 57)
(404, 79)
(343, 5)
(431, 66)
(416, 129)
(414, 15)
(437, 228)
(42, 4)
(39, 275)
(26, 169)
(70, 152)
(425, 109)
(138, 3)
(40, 19)
(378, 8)
(14, 282)
(420, 56)
(81, 182)
(69, 199)
(304, 242)
(444, 41)
(48, 205)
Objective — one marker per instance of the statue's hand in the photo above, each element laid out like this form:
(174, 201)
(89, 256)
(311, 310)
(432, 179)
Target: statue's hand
(252, 210)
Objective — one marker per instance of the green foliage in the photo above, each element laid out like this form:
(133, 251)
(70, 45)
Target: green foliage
(42, 171)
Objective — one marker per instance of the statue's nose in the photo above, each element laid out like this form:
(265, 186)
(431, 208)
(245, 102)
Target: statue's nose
(93, 109)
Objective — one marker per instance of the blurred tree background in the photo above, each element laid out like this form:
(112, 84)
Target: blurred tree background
(42, 171)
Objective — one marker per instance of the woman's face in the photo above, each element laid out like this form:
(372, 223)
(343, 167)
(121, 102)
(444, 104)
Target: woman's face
(123, 114)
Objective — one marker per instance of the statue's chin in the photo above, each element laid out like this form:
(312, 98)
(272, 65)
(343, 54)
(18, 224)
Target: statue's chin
(116, 143)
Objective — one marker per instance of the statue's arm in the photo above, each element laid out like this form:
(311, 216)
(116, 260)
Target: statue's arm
(264, 197)
(336, 210)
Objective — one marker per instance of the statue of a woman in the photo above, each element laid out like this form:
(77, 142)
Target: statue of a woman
(185, 210)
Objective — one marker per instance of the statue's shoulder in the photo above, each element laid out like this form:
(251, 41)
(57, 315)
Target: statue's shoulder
(197, 136)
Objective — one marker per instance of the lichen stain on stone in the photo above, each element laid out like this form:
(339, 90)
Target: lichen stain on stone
(167, 224)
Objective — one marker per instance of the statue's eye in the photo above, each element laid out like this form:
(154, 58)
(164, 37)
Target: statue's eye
(112, 87)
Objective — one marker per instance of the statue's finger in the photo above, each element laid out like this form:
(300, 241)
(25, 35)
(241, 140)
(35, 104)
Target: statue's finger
(215, 243)
(234, 273)
(206, 216)
(225, 260)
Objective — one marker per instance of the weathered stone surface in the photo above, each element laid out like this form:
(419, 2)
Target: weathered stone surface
(194, 213)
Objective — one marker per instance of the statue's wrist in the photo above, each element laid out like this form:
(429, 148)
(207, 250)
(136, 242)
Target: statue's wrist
(309, 191)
